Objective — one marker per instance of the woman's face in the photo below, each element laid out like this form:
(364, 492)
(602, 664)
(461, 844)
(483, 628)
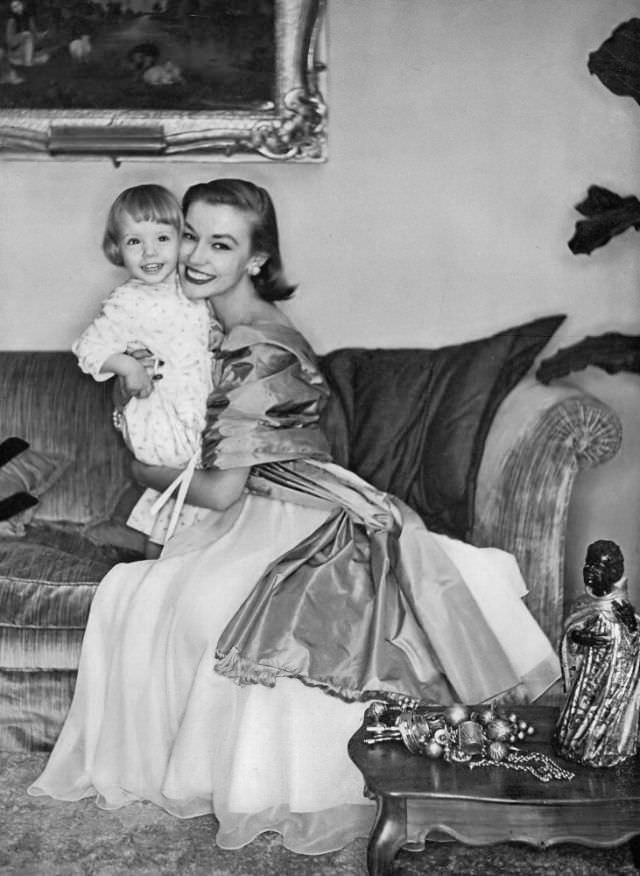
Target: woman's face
(216, 251)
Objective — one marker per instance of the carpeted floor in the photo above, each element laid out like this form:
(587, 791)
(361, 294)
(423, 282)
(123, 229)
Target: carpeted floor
(39, 837)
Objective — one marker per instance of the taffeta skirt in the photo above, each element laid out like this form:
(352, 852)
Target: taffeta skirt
(151, 719)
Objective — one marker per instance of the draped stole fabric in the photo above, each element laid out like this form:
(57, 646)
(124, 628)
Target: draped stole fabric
(266, 402)
(339, 610)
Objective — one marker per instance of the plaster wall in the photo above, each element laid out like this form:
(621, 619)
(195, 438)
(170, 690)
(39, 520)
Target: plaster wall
(462, 132)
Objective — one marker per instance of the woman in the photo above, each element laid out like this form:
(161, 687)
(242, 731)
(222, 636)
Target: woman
(337, 585)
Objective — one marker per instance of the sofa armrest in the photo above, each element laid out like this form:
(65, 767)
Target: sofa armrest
(540, 438)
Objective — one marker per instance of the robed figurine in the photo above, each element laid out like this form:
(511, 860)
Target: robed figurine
(600, 656)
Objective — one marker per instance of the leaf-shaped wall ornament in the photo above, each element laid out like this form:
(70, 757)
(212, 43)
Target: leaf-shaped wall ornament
(617, 62)
(608, 215)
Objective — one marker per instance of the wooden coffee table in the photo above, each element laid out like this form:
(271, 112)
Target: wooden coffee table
(417, 797)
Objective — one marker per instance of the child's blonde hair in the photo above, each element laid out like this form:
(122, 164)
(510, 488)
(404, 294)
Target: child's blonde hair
(144, 203)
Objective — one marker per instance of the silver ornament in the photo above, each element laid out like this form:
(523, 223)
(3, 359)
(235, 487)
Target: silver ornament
(433, 750)
(497, 751)
(498, 729)
(456, 714)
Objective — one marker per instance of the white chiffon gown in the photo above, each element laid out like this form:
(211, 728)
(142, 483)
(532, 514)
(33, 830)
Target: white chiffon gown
(152, 720)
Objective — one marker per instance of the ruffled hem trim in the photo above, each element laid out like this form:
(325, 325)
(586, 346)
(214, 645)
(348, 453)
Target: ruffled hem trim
(243, 671)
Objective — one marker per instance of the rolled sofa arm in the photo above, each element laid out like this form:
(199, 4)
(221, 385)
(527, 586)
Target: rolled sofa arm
(540, 438)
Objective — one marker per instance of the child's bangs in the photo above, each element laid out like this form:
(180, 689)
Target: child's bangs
(153, 209)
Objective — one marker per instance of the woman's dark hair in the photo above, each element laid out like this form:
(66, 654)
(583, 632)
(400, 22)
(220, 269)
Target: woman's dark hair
(270, 283)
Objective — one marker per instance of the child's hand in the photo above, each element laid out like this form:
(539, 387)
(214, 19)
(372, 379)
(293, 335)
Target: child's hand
(137, 372)
(152, 364)
(137, 382)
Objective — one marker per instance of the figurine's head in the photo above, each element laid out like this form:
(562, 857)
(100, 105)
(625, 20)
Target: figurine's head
(603, 567)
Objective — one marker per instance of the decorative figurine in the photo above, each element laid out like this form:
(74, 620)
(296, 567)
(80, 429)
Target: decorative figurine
(600, 656)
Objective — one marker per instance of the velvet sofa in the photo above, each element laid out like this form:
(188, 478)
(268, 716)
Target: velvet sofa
(463, 433)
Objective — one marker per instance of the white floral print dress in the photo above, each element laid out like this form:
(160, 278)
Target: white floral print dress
(166, 427)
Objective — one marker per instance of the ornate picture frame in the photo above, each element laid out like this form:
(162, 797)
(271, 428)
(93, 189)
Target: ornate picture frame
(291, 127)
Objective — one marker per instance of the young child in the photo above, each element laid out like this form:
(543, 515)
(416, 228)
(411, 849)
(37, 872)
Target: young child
(163, 420)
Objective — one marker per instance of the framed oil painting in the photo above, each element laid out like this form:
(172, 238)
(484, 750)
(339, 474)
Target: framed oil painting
(242, 79)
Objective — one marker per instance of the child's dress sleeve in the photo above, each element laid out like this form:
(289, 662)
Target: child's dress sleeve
(109, 333)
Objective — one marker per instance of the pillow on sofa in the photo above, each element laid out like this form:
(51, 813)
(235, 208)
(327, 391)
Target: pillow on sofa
(13, 499)
(414, 421)
(25, 475)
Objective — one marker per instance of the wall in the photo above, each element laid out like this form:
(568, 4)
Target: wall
(462, 132)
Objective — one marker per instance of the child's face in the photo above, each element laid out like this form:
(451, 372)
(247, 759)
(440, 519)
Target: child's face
(149, 249)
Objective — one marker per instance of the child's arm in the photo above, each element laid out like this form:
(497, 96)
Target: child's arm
(209, 488)
(101, 348)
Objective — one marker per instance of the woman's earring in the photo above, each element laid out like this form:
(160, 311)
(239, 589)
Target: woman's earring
(254, 270)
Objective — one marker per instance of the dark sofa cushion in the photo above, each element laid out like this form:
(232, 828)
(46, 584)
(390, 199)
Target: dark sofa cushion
(25, 475)
(414, 422)
(14, 499)
(50, 403)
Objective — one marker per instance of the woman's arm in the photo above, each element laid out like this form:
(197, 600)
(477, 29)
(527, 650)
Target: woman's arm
(217, 490)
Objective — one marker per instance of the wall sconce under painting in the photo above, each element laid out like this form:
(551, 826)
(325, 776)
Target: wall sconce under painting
(177, 79)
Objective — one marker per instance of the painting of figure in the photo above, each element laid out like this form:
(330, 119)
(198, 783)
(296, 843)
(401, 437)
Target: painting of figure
(186, 55)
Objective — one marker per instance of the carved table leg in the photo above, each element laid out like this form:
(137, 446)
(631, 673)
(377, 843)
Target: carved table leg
(387, 836)
(634, 845)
